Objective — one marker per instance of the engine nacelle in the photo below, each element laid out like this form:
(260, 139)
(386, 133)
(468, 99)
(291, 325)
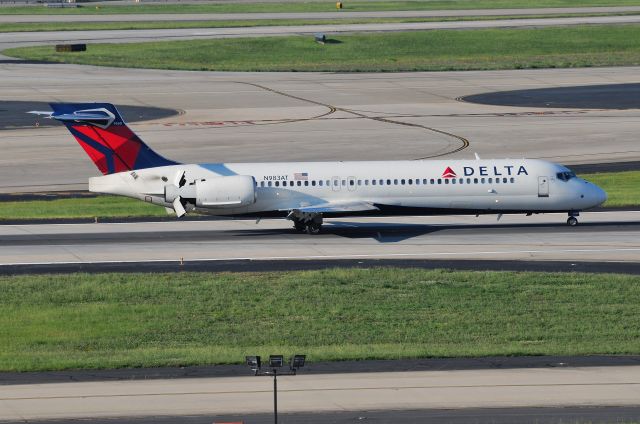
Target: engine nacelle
(219, 192)
(225, 192)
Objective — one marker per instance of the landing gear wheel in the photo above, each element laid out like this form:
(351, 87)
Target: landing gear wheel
(299, 226)
(314, 228)
(572, 221)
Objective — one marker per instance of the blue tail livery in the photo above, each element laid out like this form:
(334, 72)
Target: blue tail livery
(103, 134)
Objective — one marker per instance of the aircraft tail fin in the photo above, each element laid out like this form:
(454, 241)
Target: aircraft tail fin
(104, 136)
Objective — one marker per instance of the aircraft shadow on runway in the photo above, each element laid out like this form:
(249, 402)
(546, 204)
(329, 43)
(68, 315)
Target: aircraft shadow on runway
(397, 232)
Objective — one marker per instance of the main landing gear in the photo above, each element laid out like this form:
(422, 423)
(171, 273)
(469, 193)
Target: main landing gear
(572, 221)
(308, 222)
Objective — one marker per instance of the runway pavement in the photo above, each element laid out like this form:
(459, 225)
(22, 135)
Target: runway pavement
(427, 390)
(14, 39)
(130, 17)
(602, 237)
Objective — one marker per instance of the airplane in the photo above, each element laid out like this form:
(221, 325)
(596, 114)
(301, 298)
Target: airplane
(307, 192)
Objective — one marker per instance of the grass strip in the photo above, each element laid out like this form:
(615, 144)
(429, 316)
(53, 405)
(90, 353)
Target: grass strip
(75, 208)
(329, 6)
(132, 25)
(54, 322)
(555, 47)
(623, 189)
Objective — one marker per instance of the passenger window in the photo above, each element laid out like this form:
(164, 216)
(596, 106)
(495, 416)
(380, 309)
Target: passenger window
(497, 180)
(439, 180)
(320, 183)
(336, 183)
(366, 182)
(446, 181)
(313, 183)
(482, 180)
(359, 182)
(373, 182)
(306, 183)
(504, 180)
(388, 182)
(424, 181)
(475, 181)
(417, 181)
(261, 183)
(513, 180)
(270, 183)
(490, 180)
(468, 180)
(352, 182)
(344, 183)
(402, 181)
(299, 183)
(381, 182)
(432, 181)
(453, 181)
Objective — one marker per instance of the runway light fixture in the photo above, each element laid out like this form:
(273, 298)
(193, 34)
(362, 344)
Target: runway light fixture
(254, 363)
(297, 361)
(276, 361)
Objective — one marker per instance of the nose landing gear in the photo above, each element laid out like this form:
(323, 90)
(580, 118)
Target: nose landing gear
(572, 221)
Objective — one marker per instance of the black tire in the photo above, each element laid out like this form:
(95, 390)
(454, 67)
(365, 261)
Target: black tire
(314, 228)
(572, 221)
(299, 226)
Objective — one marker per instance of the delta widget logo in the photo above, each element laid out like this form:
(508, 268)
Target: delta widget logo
(449, 173)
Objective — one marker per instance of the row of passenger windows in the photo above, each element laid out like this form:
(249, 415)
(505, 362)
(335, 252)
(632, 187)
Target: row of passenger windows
(382, 182)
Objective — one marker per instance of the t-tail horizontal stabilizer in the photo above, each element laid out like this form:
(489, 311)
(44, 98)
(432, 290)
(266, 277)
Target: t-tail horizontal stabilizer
(103, 134)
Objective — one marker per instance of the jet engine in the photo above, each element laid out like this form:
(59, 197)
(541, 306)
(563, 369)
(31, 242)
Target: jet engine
(218, 192)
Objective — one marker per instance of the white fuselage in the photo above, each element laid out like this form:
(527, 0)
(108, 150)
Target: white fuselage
(395, 187)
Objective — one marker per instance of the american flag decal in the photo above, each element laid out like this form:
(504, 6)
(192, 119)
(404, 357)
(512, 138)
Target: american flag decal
(301, 176)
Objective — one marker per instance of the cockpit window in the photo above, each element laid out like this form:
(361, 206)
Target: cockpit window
(565, 176)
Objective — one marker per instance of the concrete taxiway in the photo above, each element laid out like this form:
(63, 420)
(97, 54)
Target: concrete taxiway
(602, 236)
(264, 117)
(14, 39)
(559, 387)
(157, 17)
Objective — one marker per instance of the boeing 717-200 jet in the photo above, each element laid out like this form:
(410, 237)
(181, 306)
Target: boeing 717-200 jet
(305, 192)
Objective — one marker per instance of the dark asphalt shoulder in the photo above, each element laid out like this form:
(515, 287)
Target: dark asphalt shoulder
(575, 415)
(341, 367)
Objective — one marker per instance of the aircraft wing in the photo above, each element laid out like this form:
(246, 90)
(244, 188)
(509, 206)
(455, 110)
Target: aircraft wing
(337, 207)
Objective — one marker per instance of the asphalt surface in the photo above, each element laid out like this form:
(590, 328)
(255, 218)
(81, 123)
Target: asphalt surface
(612, 386)
(16, 39)
(610, 96)
(319, 368)
(306, 265)
(574, 415)
(608, 238)
(344, 14)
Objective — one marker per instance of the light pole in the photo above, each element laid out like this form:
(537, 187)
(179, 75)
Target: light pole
(275, 362)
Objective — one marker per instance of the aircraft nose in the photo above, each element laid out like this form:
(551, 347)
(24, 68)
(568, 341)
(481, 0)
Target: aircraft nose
(598, 195)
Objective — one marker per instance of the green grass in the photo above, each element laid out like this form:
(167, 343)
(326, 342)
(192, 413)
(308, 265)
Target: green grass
(328, 6)
(101, 207)
(605, 45)
(130, 25)
(623, 188)
(56, 322)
